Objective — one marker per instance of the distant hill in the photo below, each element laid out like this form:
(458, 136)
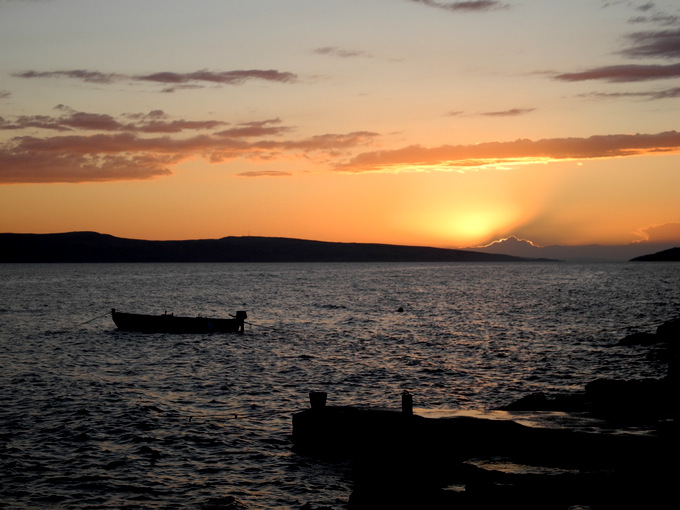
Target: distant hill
(585, 253)
(95, 247)
(672, 254)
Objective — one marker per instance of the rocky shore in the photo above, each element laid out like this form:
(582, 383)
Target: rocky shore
(401, 460)
(649, 400)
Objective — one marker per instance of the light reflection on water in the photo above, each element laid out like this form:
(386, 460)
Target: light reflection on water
(505, 466)
(94, 417)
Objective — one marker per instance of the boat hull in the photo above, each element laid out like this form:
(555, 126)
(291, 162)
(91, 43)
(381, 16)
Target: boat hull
(168, 323)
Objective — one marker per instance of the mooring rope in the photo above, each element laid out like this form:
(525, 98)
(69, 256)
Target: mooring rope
(232, 416)
(95, 318)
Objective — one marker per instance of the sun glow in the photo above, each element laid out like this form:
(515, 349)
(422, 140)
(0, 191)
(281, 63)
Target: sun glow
(473, 225)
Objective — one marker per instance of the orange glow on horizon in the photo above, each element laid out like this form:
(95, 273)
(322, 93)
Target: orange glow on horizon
(424, 140)
(546, 204)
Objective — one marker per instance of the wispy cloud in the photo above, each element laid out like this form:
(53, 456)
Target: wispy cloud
(624, 73)
(339, 52)
(456, 157)
(654, 16)
(98, 147)
(171, 80)
(480, 5)
(665, 94)
(264, 173)
(513, 112)
(657, 94)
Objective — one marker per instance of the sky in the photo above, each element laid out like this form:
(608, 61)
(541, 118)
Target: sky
(416, 122)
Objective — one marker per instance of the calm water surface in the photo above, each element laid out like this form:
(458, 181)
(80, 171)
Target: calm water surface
(95, 418)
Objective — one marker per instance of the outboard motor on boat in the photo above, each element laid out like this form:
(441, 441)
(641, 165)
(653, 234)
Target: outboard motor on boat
(241, 316)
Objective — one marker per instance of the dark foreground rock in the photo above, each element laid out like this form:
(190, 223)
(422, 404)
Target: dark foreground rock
(401, 460)
(620, 399)
(408, 461)
(667, 333)
(646, 399)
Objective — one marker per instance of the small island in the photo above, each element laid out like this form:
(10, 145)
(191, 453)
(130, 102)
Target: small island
(83, 247)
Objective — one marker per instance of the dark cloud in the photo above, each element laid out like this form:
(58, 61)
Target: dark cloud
(174, 80)
(662, 44)
(518, 151)
(91, 121)
(624, 73)
(76, 74)
(71, 120)
(480, 5)
(32, 121)
(654, 44)
(223, 78)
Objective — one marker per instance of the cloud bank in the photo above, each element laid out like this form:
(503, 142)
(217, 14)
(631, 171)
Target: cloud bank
(518, 151)
(91, 147)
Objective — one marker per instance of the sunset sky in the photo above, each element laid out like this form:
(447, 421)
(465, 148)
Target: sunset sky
(416, 122)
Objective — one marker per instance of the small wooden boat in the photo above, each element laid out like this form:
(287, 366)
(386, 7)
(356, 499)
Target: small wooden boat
(169, 323)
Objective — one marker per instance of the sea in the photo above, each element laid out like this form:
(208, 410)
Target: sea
(92, 417)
